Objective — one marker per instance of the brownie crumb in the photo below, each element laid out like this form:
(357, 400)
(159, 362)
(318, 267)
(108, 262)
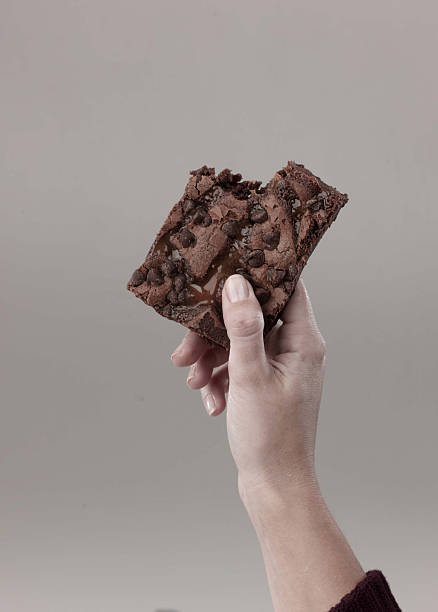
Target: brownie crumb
(227, 179)
(204, 171)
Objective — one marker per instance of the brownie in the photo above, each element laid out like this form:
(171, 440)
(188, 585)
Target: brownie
(223, 225)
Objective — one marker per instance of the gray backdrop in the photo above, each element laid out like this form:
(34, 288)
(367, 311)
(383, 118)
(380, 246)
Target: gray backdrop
(117, 491)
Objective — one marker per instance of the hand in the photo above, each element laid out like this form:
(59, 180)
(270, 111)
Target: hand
(274, 385)
(274, 394)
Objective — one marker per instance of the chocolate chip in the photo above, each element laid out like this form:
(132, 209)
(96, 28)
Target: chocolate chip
(167, 311)
(169, 268)
(201, 217)
(155, 277)
(182, 296)
(258, 214)
(186, 237)
(256, 258)
(172, 297)
(262, 294)
(244, 273)
(231, 229)
(188, 207)
(271, 239)
(179, 282)
(275, 276)
(137, 278)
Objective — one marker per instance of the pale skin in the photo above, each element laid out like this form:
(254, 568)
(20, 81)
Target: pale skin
(274, 390)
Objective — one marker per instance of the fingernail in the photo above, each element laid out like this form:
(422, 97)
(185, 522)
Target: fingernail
(237, 288)
(191, 375)
(210, 404)
(176, 352)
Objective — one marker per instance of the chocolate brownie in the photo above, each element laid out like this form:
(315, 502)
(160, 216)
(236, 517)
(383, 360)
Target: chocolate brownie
(222, 226)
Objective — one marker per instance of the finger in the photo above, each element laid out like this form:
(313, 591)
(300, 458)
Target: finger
(298, 310)
(243, 319)
(201, 371)
(271, 339)
(299, 332)
(190, 350)
(213, 394)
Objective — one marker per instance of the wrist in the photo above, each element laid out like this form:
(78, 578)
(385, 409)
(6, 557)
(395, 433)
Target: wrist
(266, 497)
(301, 544)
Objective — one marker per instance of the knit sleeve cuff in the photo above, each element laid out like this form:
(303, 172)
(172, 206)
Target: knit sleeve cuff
(372, 594)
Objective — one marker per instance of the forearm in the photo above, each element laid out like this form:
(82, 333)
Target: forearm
(308, 561)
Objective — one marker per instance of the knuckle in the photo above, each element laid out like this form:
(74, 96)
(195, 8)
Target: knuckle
(315, 351)
(246, 324)
(318, 350)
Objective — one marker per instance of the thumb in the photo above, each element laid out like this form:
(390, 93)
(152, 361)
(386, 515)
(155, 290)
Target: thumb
(243, 319)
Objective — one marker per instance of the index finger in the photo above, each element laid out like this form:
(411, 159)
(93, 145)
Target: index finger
(190, 350)
(299, 324)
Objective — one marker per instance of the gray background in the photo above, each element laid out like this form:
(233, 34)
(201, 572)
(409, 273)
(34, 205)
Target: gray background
(117, 491)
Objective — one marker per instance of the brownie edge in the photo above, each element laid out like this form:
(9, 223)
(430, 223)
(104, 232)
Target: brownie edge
(223, 225)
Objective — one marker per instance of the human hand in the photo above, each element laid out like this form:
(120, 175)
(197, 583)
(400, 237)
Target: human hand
(274, 390)
(274, 385)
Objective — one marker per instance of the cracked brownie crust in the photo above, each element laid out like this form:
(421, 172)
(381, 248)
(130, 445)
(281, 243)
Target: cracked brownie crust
(222, 226)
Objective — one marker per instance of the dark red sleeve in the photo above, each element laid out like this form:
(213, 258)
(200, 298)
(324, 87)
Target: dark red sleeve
(372, 594)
